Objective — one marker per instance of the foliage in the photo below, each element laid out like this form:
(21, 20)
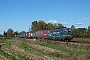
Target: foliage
(23, 32)
(34, 26)
(16, 33)
(60, 26)
(88, 31)
(10, 33)
(72, 27)
(49, 26)
(1, 35)
(81, 32)
(41, 25)
(5, 34)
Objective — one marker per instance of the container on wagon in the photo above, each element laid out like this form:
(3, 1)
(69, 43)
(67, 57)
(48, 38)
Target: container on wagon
(42, 34)
(33, 35)
(23, 35)
(28, 34)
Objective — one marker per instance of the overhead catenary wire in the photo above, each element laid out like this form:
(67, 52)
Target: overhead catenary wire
(81, 17)
(75, 14)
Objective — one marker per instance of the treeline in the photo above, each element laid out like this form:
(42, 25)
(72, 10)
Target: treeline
(41, 25)
(81, 32)
(11, 33)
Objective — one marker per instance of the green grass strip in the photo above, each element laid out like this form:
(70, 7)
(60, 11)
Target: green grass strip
(73, 51)
(36, 51)
(10, 57)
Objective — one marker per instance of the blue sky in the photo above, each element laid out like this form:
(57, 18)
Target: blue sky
(19, 14)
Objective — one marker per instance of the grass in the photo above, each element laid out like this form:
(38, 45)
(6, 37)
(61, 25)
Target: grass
(4, 38)
(71, 51)
(10, 57)
(81, 39)
(35, 50)
(7, 49)
(74, 52)
(20, 57)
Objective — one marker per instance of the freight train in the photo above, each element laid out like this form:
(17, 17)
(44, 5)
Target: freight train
(63, 34)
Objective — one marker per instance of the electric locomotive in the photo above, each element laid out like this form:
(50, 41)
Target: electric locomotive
(64, 34)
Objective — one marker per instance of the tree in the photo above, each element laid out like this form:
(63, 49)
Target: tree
(49, 26)
(60, 26)
(88, 31)
(23, 32)
(1, 35)
(34, 26)
(5, 34)
(75, 31)
(82, 32)
(10, 33)
(72, 27)
(41, 25)
(16, 33)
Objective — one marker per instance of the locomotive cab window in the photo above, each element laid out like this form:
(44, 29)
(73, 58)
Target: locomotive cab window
(65, 31)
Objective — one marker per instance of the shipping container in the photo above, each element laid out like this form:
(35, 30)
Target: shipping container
(23, 35)
(33, 35)
(39, 34)
(42, 34)
(28, 34)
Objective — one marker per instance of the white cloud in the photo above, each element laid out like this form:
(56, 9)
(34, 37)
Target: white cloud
(53, 21)
(78, 23)
(64, 23)
(56, 22)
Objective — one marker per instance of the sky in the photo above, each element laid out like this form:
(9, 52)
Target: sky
(19, 14)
